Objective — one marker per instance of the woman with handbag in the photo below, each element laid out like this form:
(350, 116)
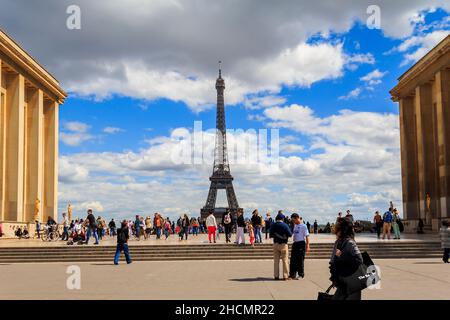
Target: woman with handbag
(395, 224)
(445, 240)
(345, 260)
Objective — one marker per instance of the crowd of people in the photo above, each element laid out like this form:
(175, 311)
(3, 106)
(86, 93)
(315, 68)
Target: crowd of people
(22, 233)
(390, 221)
(257, 227)
(141, 228)
(80, 231)
(345, 258)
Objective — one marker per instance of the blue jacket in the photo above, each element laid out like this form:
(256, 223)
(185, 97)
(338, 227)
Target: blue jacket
(280, 232)
(387, 217)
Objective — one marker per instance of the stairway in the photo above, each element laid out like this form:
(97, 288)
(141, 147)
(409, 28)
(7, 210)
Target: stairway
(382, 250)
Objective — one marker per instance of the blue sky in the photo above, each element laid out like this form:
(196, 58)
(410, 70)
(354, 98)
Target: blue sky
(318, 74)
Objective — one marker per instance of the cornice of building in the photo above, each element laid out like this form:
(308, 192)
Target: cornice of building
(412, 73)
(20, 57)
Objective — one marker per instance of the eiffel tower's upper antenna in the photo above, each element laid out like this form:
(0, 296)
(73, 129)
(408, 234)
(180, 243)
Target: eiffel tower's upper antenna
(220, 69)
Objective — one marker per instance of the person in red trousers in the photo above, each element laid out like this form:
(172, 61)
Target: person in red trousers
(211, 225)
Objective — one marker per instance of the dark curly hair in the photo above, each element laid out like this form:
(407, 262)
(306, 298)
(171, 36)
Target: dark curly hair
(344, 228)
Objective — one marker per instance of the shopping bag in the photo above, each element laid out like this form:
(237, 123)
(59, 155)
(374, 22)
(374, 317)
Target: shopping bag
(325, 295)
(365, 275)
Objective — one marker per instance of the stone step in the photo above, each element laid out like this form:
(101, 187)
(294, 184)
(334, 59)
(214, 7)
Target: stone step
(216, 247)
(168, 254)
(244, 250)
(327, 254)
(243, 253)
(190, 257)
(222, 249)
(93, 253)
(181, 258)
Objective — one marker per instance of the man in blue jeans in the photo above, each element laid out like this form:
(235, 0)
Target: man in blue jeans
(92, 227)
(65, 235)
(256, 220)
(137, 227)
(122, 243)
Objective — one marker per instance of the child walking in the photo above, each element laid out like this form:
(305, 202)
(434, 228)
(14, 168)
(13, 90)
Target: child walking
(218, 233)
(251, 233)
(167, 229)
(181, 233)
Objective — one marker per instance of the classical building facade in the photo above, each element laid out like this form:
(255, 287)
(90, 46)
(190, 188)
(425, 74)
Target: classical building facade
(29, 103)
(423, 93)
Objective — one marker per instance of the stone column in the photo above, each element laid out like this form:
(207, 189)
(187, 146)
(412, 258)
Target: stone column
(15, 96)
(50, 202)
(2, 146)
(409, 158)
(442, 87)
(34, 160)
(426, 139)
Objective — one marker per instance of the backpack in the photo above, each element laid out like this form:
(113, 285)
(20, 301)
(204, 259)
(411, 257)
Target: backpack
(121, 236)
(227, 219)
(387, 217)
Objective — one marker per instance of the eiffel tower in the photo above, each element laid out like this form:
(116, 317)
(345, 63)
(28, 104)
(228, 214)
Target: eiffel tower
(221, 177)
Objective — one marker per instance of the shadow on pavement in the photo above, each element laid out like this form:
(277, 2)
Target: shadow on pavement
(253, 279)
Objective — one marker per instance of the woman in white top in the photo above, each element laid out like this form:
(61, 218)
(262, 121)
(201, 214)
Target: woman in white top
(211, 225)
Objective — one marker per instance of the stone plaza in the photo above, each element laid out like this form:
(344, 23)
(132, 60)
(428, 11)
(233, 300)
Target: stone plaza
(241, 279)
(402, 279)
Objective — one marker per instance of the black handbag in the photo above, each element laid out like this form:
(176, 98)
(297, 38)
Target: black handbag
(401, 227)
(362, 277)
(356, 281)
(325, 295)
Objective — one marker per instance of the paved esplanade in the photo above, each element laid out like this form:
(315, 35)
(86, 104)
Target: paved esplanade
(206, 279)
(243, 280)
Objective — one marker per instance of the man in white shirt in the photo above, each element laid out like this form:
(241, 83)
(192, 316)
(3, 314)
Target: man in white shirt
(299, 247)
